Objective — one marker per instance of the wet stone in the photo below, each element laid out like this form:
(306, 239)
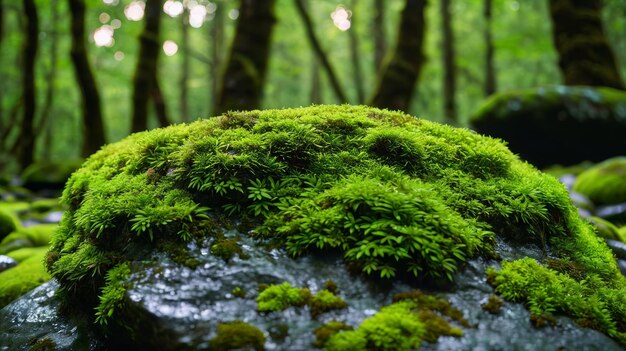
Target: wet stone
(6, 262)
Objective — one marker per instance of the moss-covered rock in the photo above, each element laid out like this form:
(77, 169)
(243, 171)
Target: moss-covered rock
(395, 196)
(48, 175)
(33, 236)
(604, 183)
(8, 224)
(236, 336)
(22, 278)
(564, 125)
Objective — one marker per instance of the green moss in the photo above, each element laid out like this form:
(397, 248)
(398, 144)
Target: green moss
(8, 224)
(315, 179)
(45, 344)
(325, 301)
(604, 183)
(237, 335)
(45, 205)
(239, 292)
(493, 304)
(606, 229)
(280, 297)
(48, 175)
(560, 170)
(25, 253)
(33, 236)
(22, 278)
(324, 332)
(113, 295)
(227, 249)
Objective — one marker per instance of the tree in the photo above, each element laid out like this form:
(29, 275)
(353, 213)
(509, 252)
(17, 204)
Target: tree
(397, 82)
(92, 112)
(145, 82)
(184, 69)
(241, 86)
(321, 55)
(490, 71)
(585, 56)
(449, 74)
(26, 139)
(355, 56)
(216, 33)
(378, 33)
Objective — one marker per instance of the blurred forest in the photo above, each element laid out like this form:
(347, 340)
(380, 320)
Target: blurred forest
(143, 64)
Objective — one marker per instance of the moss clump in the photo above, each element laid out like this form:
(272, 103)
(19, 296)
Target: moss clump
(606, 229)
(604, 183)
(22, 278)
(239, 292)
(594, 118)
(237, 335)
(47, 175)
(114, 293)
(280, 297)
(311, 180)
(227, 249)
(25, 253)
(493, 304)
(324, 332)
(33, 236)
(45, 344)
(7, 224)
(591, 302)
(325, 301)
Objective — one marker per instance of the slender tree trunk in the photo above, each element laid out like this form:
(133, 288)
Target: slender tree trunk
(585, 56)
(356, 57)
(1, 39)
(449, 72)
(184, 75)
(92, 112)
(399, 76)
(378, 33)
(315, 94)
(44, 125)
(26, 149)
(490, 71)
(321, 55)
(241, 87)
(146, 69)
(160, 108)
(217, 50)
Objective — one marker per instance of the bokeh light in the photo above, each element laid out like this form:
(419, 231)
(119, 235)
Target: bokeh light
(173, 8)
(104, 18)
(170, 48)
(103, 36)
(341, 18)
(233, 14)
(197, 14)
(134, 11)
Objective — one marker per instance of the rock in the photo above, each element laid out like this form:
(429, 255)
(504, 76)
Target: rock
(170, 233)
(6, 262)
(604, 183)
(35, 318)
(560, 124)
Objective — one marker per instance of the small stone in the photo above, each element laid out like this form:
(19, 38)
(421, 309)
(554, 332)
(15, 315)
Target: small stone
(6, 262)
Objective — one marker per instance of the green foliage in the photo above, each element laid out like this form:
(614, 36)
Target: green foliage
(604, 183)
(227, 249)
(113, 294)
(493, 304)
(280, 297)
(325, 301)
(324, 332)
(27, 275)
(33, 236)
(591, 301)
(237, 335)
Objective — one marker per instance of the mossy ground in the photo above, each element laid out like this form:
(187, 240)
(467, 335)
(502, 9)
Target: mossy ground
(396, 195)
(34, 236)
(22, 278)
(237, 335)
(604, 183)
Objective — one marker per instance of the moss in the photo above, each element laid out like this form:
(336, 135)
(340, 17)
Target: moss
(432, 303)
(8, 224)
(604, 183)
(43, 175)
(227, 249)
(325, 301)
(45, 205)
(114, 294)
(237, 335)
(324, 332)
(45, 344)
(280, 297)
(315, 180)
(331, 286)
(606, 229)
(239, 292)
(493, 304)
(22, 278)
(560, 170)
(33, 236)
(25, 253)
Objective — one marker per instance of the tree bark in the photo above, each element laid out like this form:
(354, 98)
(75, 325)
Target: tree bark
(399, 76)
(146, 69)
(160, 107)
(378, 33)
(93, 123)
(449, 73)
(184, 75)
(26, 148)
(356, 58)
(216, 54)
(585, 56)
(490, 71)
(241, 87)
(321, 55)
(51, 74)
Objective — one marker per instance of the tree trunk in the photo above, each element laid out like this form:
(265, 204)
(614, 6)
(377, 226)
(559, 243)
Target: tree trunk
(26, 148)
(490, 71)
(184, 75)
(44, 126)
(241, 87)
(399, 76)
(585, 56)
(217, 51)
(146, 69)
(449, 73)
(92, 112)
(378, 33)
(315, 94)
(321, 55)
(160, 108)
(356, 58)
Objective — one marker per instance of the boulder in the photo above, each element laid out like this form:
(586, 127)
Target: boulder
(557, 125)
(604, 183)
(282, 229)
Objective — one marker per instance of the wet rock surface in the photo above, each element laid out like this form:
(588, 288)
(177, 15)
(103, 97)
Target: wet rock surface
(6, 262)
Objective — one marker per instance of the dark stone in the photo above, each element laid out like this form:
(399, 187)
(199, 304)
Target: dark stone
(6, 262)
